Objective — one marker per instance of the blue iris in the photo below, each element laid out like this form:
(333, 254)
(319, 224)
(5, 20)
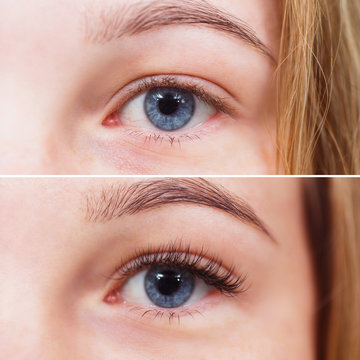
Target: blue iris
(169, 287)
(169, 108)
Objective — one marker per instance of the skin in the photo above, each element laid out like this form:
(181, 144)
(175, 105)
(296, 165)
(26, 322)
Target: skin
(56, 87)
(55, 266)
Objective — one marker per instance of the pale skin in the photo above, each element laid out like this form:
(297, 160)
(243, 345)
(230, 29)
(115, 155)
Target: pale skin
(58, 87)
(56, 262)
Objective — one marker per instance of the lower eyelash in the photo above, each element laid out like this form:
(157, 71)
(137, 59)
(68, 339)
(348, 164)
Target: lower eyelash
(172, 315)
(159, 139)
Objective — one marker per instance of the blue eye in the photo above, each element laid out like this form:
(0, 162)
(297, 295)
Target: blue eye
(165, 286)
(169, 287)
(169, 108)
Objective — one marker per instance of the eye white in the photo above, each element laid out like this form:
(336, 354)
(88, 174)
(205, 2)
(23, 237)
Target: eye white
(133, 114)
(134, 291)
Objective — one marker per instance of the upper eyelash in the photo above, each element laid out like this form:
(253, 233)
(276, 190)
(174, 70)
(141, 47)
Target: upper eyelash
(209, 269)
(171, 81)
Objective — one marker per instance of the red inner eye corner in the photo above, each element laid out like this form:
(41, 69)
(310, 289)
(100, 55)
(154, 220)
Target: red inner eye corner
(112, 297)
(110, 121)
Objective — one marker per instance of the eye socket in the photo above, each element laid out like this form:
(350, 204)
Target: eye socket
(166, 109)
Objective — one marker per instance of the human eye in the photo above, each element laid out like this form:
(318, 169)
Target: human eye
(171, 108)
(172, 282)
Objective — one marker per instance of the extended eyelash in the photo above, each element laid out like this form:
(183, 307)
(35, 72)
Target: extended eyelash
(209, 269)
(171, 81)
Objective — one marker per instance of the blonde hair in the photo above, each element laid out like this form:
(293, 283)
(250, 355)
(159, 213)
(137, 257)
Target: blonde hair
(319, 87)
(332, 207)
(344, 319)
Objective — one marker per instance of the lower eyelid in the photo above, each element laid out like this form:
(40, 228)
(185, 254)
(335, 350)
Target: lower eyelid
(213, 312)
(147, 139)
(153, 313)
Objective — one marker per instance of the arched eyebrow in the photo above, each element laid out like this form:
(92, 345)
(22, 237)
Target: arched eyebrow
(108, 24)
(115, 201)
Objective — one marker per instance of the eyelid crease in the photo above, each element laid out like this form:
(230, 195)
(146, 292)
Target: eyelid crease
(208, 268)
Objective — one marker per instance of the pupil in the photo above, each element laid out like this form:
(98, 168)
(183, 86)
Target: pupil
(168, 104)
(168, 282)
(169, 287)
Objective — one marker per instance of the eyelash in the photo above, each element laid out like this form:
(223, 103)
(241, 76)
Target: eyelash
(171, 139)
(143, 85)
(171, 81)
(209, 269)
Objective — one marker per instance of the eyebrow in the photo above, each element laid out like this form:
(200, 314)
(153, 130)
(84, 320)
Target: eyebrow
(115, 201)
(112, 23)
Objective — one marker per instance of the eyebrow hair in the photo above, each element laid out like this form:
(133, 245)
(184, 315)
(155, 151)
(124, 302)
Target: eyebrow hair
(114, 201)
(113, 23)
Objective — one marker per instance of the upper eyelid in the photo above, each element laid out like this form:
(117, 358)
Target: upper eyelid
(197, 90)
(131, 90)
